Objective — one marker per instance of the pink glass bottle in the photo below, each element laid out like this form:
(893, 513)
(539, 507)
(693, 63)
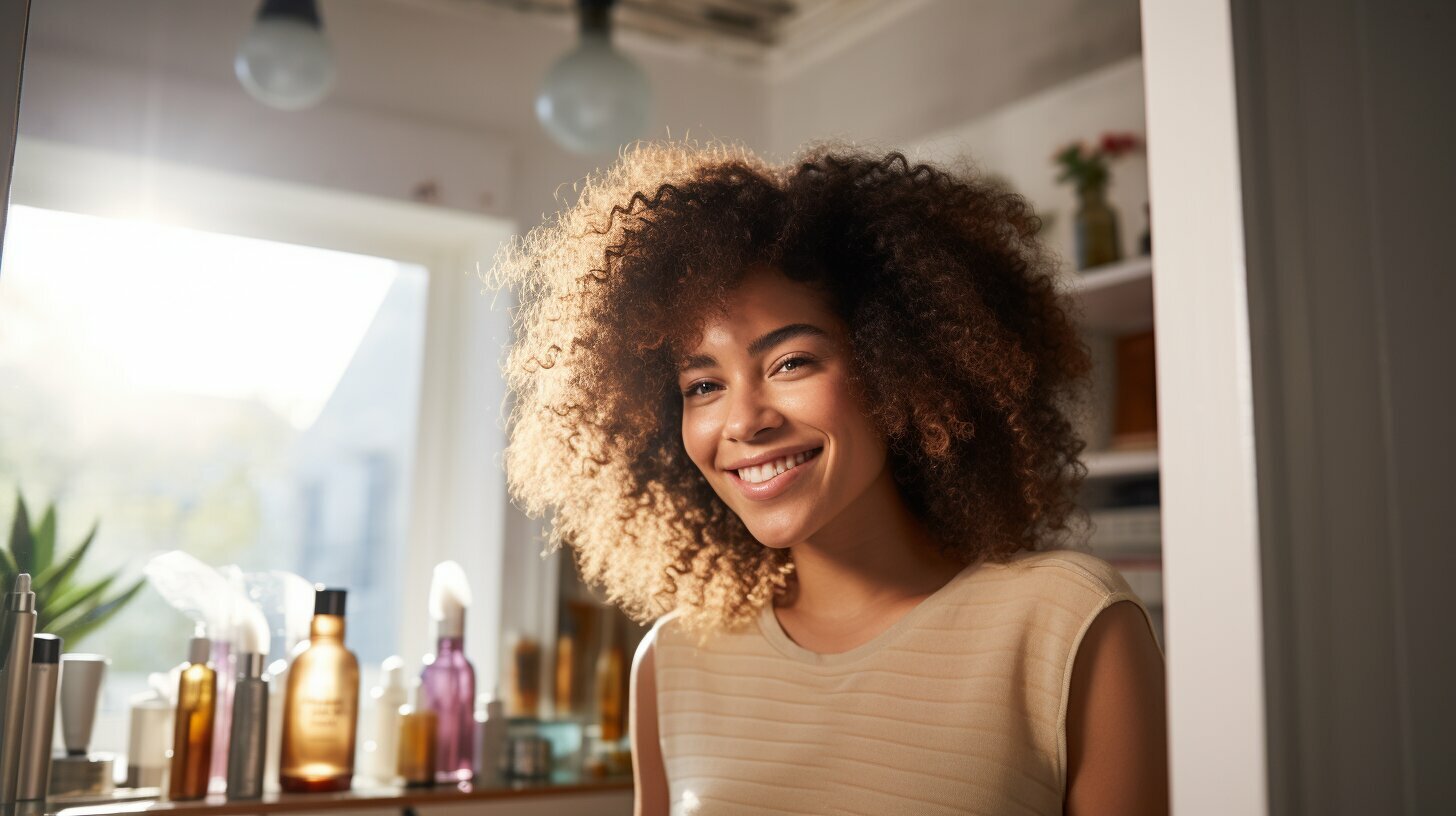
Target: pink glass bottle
(448, 681)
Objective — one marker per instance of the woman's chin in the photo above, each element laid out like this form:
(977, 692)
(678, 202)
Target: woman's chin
(778, 537)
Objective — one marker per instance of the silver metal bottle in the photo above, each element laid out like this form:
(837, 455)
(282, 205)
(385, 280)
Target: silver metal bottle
(40, 719)
(248, 743)
(15, 651)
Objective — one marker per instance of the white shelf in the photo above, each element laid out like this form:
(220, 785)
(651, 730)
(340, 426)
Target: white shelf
(1118, 463)
(1116, 298)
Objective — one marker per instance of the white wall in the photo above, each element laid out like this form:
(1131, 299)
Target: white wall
(1017, 142)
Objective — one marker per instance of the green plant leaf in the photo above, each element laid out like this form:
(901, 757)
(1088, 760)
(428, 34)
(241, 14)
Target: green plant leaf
(54, 579)
(22, 546)
(8, 570)
(87, 623)
(45, 540)
(81, 598)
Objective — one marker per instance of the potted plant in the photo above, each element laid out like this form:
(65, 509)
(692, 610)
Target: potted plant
(1087, 168)
(65, 606)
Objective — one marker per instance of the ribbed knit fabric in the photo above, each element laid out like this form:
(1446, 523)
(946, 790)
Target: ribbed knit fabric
(959, 707)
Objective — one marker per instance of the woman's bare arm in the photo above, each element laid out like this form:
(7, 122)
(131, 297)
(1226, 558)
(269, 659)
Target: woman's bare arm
(1117, 742)
(647, 771)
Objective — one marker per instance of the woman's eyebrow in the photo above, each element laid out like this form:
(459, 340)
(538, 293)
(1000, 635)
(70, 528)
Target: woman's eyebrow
(696, 361)
(782, 334)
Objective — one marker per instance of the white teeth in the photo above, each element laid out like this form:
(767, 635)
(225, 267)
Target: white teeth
(762, 473)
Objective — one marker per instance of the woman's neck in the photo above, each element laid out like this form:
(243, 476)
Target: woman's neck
(877, 554)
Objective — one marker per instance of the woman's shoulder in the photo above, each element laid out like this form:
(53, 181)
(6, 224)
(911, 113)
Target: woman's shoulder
(1063, 575)
(1067, 567)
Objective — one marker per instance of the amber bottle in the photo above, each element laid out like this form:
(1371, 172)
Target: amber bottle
(418, 728)
(321, 705)
(193, 731)
(611, 685)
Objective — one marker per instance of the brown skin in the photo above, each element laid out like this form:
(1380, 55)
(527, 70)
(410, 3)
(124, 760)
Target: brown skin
(859, 551)
(864, 560)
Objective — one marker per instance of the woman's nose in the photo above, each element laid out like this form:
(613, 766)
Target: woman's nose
(749, 415)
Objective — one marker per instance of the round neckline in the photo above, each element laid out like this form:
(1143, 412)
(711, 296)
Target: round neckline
(768, 624)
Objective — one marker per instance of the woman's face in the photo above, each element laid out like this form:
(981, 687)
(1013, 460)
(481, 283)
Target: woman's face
(768, 414)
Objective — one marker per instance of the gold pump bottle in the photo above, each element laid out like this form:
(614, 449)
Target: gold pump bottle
(321, 705)
(192, 736)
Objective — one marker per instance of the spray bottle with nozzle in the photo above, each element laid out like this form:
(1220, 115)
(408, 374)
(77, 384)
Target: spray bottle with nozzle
(248, 736)
(449, 679)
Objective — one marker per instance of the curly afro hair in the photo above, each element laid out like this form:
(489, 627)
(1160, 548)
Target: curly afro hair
(960, 341)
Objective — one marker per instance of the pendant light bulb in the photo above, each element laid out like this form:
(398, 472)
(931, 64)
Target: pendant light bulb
(285, 61)
(594, 99)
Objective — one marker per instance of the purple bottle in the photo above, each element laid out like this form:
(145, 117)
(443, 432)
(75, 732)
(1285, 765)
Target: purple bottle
(448, 681)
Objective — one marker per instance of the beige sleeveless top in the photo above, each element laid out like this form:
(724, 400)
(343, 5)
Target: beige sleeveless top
(958, 707)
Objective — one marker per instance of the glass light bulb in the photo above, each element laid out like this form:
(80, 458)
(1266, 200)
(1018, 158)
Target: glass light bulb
(594, 99)
(285, 63)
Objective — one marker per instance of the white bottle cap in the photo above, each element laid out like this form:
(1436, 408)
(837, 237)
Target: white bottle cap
(392, 672)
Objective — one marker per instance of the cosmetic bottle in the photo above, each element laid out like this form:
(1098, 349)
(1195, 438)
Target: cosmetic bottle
(321, 711)
(563, 700)
(224, 659)
(417, 739)
(40, 718)
(248, 735)
(611, 675)
(15, 650)
(448, 678)
(192, 731)
(525, 678)
(149, 739)
(81, 772)
(381, 749)
(277, 698)
(490, 738)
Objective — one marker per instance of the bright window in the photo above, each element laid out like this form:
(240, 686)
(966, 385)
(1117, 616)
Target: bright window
(247, 401)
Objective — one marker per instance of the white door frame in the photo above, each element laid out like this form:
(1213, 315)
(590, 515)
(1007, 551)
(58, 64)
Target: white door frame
(1211, 555)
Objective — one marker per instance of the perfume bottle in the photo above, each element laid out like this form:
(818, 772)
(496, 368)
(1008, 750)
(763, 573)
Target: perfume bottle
(321, 707)
(448, 680)
(418, 727)
(193, 728)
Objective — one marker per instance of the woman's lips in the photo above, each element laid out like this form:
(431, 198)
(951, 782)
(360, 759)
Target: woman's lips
(763, 491)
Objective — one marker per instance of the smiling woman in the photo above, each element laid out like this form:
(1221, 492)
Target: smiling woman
(814, 419)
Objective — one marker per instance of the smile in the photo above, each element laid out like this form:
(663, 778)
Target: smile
(769, 479)
(768, 470)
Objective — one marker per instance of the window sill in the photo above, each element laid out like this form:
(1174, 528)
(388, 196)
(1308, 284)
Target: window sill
(361, 798)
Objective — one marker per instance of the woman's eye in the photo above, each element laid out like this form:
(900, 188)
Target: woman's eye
(795, 363)
(699, 389)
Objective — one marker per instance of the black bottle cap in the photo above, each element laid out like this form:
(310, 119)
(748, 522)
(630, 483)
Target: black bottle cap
(329, 601)
(45, 649)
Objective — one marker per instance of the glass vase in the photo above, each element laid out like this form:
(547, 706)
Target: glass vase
(1096, 228)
